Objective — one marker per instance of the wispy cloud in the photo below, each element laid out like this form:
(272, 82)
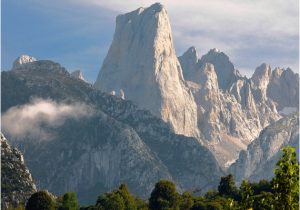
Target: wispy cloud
(30, 120)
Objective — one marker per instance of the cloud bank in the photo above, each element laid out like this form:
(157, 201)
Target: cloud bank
(30, 120)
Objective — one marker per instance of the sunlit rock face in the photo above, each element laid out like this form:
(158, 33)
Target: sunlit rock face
(259, 160)
(142, 63)
(232, 110)
(23, 59)
(284, 88)
(78, 75)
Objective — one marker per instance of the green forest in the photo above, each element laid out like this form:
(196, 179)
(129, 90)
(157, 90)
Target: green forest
(280, 193)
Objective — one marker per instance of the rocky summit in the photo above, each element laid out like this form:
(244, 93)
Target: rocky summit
(150, 75)
(16, 181)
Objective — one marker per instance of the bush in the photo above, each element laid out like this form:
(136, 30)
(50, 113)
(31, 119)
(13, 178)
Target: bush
(40, 201)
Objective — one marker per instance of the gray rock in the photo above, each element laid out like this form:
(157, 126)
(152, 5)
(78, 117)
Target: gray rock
(284, 88)
(17, 184)
(225, 70)
(23, 59)
(142, 63)
(78, 75)
(259, 160)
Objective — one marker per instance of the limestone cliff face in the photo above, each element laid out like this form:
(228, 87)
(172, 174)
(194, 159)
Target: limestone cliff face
(142, 63)
(260, 80)
(284, 88)
(224, 68)
(232, 110)
(17, 184)
(224, 124)
(258, 161)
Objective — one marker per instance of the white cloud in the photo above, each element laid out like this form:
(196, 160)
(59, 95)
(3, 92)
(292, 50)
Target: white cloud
(233, 26)
(236, 27)
(29, 120)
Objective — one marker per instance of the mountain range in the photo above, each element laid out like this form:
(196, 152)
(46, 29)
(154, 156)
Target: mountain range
(150, 115)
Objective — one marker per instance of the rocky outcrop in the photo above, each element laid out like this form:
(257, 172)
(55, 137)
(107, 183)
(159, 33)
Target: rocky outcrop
(150, 75)
(225, 70)
(17, 184)
(259, 160)
(23, 59)
(260, 80)
(190, 65)
(78, 75)
(119, 143)
(284, 88)
(232, 110)
(225, 125)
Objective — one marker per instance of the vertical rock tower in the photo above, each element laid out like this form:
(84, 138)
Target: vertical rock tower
(142, 63)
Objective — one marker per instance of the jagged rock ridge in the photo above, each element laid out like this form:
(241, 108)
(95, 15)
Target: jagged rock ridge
(17, 184)
(232, 110)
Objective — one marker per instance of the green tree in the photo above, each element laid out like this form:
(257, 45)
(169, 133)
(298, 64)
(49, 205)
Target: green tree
(68, 202)
(246, 193)
(227, 186)
(141, 204)
(129, 200)
(164, 196)
(118, 199)
(111, 201)
(264, 200)
(186, 201)
(286, 180)
(261, 186)
(40, 200)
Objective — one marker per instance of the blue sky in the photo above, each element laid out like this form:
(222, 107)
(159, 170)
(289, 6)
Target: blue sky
(78, 33)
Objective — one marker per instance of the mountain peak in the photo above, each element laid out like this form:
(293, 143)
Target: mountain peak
(150, 75)
(262, 73)
(23, 59)
(276, 73)
(156, 6)
(223, 67)
(191, 53)
(189, 64)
